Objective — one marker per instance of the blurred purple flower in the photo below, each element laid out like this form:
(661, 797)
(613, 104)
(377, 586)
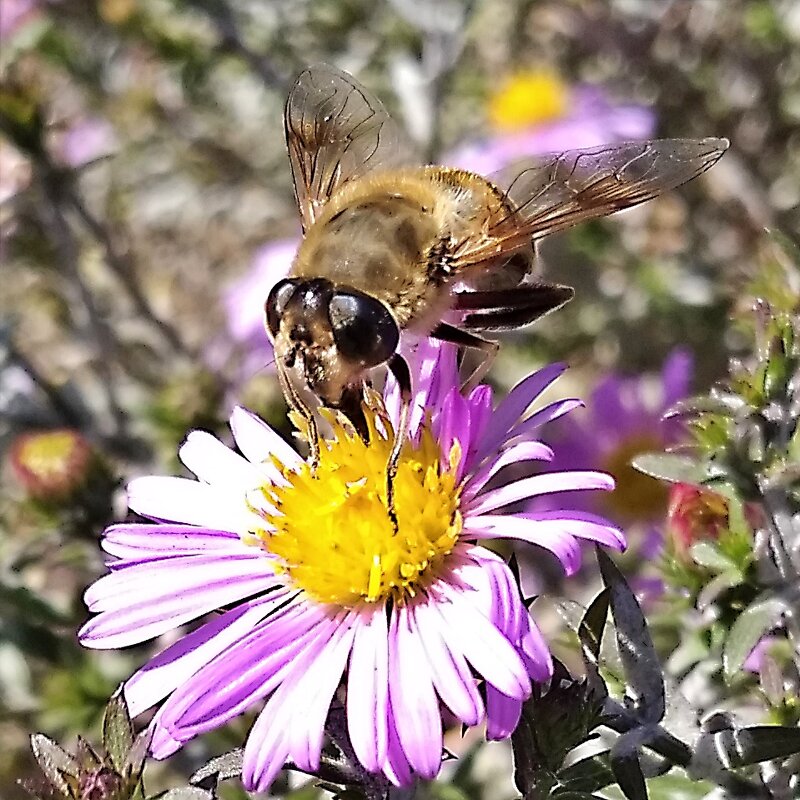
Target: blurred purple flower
(244, 299)
(587, 118)
(754, 662)
(322, 595)
(623, 420)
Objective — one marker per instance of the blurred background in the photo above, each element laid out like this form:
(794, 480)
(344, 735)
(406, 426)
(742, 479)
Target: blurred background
(146, 208)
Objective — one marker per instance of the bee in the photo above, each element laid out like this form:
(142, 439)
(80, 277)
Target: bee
(391, 246)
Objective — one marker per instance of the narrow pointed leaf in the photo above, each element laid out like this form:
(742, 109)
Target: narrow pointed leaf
(228, 765)
(627, 770)
(117, 731)
(764, 743)
(643, 673)
(587, 775)
(53, 761)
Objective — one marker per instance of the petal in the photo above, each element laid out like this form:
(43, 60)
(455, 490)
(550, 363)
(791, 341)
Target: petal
(545, 483)
(535, 652)
(267, 747)
(138, 540)
(175, 665)
(453, 425)
(396, 768)
(368, 691)
(549, 413)
(580, 524)
(419, 726)
(315, 690)
(192, 502)
(450, 672)
(252, 668)
(212, 462)
(522, 451)
(514, 405)
(145, 601)
(502, 714)
(480, 411)
(507, 526)
(258, 441)
(483, 645)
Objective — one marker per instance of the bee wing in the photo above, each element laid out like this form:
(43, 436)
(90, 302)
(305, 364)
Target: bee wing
(565, 189)
(335, 131)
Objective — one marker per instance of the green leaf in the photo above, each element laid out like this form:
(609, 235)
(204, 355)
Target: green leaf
(745, 633)
(117, 731)
(671, 467)
(707, 554)
(228, 765)
(587, 775)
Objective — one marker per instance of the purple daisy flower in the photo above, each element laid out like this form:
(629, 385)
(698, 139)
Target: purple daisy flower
(323, 594)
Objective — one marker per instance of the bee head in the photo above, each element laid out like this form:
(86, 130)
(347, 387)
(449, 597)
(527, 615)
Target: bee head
(336, 331)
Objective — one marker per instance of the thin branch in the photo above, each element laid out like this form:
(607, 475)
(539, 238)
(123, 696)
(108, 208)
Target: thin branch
(67, 254)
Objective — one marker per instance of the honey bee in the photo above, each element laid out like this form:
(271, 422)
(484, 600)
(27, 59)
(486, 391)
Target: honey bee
(392, 246)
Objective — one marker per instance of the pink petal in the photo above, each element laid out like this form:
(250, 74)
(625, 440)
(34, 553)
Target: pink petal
(137, 540)
(258, 441)
(514, 405)
(214, 463)
(580, 524)
(419, 726)
(396, 769)
(254, 666)
(267, 747)
(450, 672)
(315, 691)
(176, 664)
(535, 652)
(192, 502)
(453, 425)
(502, 714)
(544, 415)
(368, 690)
(141, 603)
(545, 483)
(484, 646)
(520, 452)
(506, 526)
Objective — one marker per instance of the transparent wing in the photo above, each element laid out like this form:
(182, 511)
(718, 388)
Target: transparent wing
(335, 131)
(565, 189)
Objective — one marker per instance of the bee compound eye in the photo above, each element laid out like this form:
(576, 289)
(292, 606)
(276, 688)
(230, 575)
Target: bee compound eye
(278, 298)
(363, 328)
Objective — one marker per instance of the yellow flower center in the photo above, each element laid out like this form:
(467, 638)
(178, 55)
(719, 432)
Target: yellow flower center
(332, 531)
(637, 496)
(527, 99)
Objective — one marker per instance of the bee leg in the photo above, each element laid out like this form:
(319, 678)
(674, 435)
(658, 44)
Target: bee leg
(449, 333)
(296, 403)
(399, 368)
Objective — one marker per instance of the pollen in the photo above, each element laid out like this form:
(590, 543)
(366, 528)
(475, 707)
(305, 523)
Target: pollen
(331, 530)
(528, 99)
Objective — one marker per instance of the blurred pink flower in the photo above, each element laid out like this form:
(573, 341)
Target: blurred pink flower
(14, 14)
(85, 140)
